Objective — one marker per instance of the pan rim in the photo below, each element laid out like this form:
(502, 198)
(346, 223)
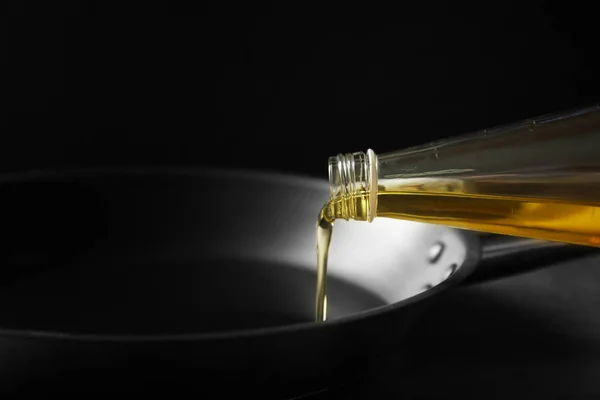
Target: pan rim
(288, 179)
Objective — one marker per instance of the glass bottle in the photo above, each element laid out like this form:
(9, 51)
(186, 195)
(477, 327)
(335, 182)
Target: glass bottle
(539, 178)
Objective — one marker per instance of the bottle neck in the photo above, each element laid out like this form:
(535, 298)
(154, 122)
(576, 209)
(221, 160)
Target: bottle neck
(353, 186)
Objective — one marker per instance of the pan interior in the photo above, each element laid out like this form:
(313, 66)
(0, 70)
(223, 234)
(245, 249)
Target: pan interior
(195, 296)
(120, 253)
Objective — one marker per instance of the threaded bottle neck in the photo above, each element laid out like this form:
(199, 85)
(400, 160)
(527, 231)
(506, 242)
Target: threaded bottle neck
(353, 185)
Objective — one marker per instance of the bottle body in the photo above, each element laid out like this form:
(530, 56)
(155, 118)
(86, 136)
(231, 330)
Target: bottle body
(538, 178)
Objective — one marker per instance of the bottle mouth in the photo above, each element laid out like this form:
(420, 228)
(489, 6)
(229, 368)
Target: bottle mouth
(353, 176)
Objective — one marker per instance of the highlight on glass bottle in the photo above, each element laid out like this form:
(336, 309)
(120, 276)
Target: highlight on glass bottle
(538, 178)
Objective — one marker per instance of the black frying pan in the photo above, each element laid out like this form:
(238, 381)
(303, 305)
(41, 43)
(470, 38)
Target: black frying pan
(179, 280)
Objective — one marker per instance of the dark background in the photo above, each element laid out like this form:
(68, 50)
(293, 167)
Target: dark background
(281, 85)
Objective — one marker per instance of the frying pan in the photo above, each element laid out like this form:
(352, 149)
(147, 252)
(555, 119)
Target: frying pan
(192, 280)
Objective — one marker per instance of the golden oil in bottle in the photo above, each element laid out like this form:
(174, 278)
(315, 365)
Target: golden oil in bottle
(550, 208)
(574, 221)
(539, 178)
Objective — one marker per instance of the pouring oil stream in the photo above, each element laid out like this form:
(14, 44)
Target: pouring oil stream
(324, 232)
